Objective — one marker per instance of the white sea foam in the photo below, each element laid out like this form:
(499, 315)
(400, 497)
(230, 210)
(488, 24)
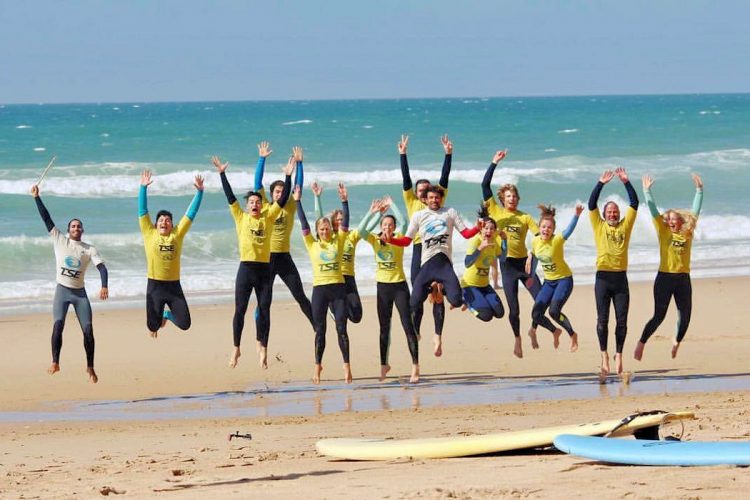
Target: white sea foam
(40, 149)
(367, 126)
(568, 131)
(298, 122)
(24, 126)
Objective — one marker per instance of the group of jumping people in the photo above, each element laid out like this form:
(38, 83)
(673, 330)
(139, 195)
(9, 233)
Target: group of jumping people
(498, 239)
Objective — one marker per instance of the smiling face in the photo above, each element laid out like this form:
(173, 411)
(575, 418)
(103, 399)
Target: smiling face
(434, 200)
(336, 219)
(323, 229)
(276, 192)
(164, 225)
(421, 190)
(612, 213)
(388, 226)
(75, 230)
(546, 228)
(674, 221)
(254, 205)
(509, 197)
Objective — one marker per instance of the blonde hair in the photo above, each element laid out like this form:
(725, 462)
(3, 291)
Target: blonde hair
(507, 187)
(319, 222)
(688, 218)
(547, 213)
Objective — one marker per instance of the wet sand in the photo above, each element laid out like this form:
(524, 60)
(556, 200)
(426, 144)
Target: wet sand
(191, 457)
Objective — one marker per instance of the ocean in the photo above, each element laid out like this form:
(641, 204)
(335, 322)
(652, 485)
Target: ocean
(558, 147)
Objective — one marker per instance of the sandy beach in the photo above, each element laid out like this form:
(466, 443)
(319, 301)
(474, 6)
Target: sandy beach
(188, 458)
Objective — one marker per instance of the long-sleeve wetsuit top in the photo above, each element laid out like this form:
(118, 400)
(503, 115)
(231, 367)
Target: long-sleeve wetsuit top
(478, 262)
(325, 256)
(435, 227)
(674, 248)
(515, 223)
(163, 253)
(283, 223)
(551, 254)
(71, 257)
(253, 235)
(414, 204)
(389, 258)
(612, 241)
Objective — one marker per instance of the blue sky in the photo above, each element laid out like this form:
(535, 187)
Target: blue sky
(106, 51)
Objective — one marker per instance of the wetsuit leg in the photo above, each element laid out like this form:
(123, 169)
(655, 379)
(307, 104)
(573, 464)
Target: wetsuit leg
(60, 306)
(401, 298)
(385, 300)
(438, 315)
(155, 302)
(263, 294)
(534, 285)
(477, 304)
(663, 289)
(319, 306)
(493, 299)
(683, 298)
(178, 305)
(243, 288)
(603, 298)
(82, 308)
(561, 295)
(621, 300)
(416, 266)
(283, 266)
(510, 287)
(543, 299)
(353, 302)
(338, 297)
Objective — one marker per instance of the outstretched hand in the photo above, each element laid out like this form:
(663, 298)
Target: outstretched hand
(648, 181)
(403, 144)
(376, 205)
(289, 168)
(499, 156)
(146, 179)
(221, 167)
(264, 149)
(34, 190)
(386, 203)
(317, 189)
(297, 193)
(579, 209)
(343, 196)
(606, 176)
(447, 144)
(198, 182)
(697, 181)
(622, 174)
(297, 153)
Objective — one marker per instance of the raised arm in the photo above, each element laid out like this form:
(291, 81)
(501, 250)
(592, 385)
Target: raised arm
(192, 210)
(603, 179)
(487, 180)
(445, 172)
(221, 168)
(42, 209)
(146, 181)
(364, 225)
(287, 189)
(648, 181)
(299, 179)
(405, 176)
(301, 211)
(573, 222)
(343, 195)
(317, 191)
(698, 199)
(632, 196)
(264, 151)
(403, 222)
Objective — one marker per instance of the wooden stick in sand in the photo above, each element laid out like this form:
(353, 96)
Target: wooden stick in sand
(49, 165)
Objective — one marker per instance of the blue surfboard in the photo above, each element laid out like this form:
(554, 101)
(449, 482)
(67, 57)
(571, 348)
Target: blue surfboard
(647, 452)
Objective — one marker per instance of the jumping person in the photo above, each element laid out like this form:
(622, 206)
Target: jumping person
(163, 245)
(282, 264)
(675, 230)
(515, 224)
(391, 283)
(612, 237)
(353, 302)
(415, 200)
(328, 283)
(547, 248)
(253, 226)
(434, 225)
(481, 255)
(72, 258)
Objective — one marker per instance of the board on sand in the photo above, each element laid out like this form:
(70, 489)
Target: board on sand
(464, 446)
(648, 452)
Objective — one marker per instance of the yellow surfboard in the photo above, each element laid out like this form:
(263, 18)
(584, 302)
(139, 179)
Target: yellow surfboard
(464, 446)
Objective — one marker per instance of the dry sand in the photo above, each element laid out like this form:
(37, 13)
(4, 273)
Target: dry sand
(192, 458)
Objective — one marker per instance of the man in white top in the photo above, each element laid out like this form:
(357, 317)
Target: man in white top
(72, 257)
(435, 226)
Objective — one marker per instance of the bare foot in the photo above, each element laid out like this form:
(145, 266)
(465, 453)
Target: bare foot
(437, 340)
(384, 369)
(53, 368)
(414, 374)
(348, 373)
(556, 338)
(464, 307)
(234, 357)
(605, 362)
(262, 356)
(626, 377)
(153, 334)
(675, 346)
(316, 374)
(603, 375)
(574, 342)
(92, 375)
(638, 354)
(534, 341)
(518, 349)
(618, 363)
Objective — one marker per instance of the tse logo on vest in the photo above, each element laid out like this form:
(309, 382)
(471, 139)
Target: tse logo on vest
(72, 270)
